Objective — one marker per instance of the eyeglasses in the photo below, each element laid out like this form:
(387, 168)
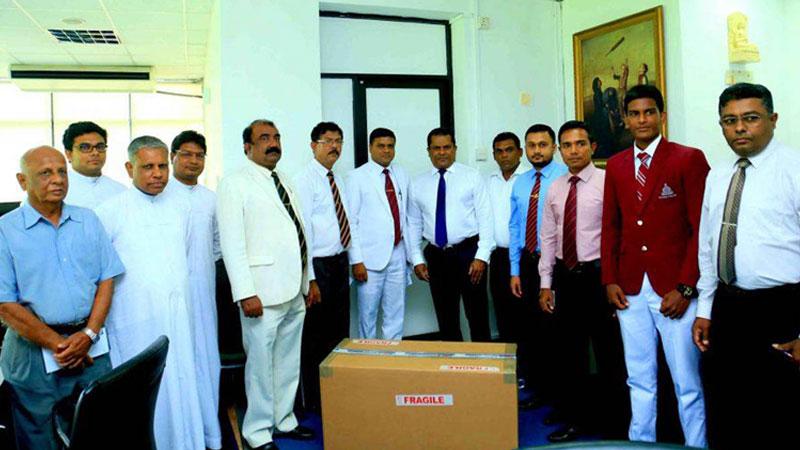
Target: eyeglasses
(330, 142)
(87, 148)
(186, 155)
(747, 119)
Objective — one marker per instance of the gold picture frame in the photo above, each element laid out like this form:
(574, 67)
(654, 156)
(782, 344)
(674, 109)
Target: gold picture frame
(604, 57)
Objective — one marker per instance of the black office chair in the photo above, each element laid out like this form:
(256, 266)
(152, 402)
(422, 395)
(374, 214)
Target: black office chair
(116, 410)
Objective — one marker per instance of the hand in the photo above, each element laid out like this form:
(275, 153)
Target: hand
(673, 305)
(360, 272)
(314, 295)
(516, 286)
(421, 270)
(616, 296)
(71, 351)
(546, 300)
(252, 306)
(792, 348)
(476, 270)
(700, 331)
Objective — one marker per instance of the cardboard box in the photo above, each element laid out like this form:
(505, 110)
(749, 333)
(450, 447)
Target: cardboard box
(379, 394)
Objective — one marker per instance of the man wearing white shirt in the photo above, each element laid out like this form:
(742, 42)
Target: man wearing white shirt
(449, 207)
(326, 216)
(507, 154)
(85, 147)
(377, 192)
(748, 314)
(188, 155)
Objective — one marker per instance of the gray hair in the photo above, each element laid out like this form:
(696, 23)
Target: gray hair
(144, 142)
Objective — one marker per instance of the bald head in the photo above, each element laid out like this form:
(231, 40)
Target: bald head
(36, 155)
(43, 175)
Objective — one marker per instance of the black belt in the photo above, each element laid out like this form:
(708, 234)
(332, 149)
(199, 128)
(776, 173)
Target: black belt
(332, 257)
(527, 254)
(581, 267)
(785, 289)
(69, 328)
(468, 242)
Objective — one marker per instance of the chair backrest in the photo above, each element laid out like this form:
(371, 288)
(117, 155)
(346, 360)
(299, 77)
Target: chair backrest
(116, 410)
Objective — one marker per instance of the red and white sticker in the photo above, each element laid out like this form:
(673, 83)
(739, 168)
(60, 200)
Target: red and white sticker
(385, 342)
(424, 400)
(467, 368)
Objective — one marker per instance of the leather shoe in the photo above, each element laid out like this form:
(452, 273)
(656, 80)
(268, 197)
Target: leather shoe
(530, 404)
(553, 418)
(299, 432)
(564, 434)
(267, 446)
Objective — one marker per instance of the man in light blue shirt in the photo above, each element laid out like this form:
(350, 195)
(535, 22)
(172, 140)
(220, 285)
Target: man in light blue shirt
(56, 279)
(523, 252)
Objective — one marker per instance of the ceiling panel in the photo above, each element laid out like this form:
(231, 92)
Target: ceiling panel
(104, 60)
(25, 36)
(204, 6)
(97, 49)
(14, 18)
(44, 58)
(128, 6)
(55, 19)
(197, 37)
(134, 36)
(49, 5)
(148, 21)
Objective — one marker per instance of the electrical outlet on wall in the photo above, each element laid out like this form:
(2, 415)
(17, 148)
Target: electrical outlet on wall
(484, 23)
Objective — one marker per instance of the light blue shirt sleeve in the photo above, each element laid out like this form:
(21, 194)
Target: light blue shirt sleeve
(515, 230)
(8, 277)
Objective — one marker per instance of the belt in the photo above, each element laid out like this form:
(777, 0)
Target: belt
(535, 255)
(69, 328)
(730, 289)
(581, 267)
(468, 242)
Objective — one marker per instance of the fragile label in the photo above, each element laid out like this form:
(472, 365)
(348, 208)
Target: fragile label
(386, 342)
(468, 368)
(424, 400)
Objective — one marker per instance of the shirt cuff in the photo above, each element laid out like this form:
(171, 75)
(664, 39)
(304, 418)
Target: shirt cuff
(704, 308)
(483, 255)
(546, 282)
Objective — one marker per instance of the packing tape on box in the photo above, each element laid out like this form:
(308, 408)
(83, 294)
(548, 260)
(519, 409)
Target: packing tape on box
(325, 369)
(453, 355)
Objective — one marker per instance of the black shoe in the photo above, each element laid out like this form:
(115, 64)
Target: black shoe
(553, 418)
(564, 434)
(300, 432)
(530, 403)
(267, 446)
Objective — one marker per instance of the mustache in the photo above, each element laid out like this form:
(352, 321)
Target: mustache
(334, 152)
(273, 149)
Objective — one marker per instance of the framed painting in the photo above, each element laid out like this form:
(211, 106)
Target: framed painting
(609, 59)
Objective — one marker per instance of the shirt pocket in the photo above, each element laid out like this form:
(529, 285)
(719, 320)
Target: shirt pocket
(260, 260)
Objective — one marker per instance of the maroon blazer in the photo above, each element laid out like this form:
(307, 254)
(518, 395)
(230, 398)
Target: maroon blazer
(659, 234)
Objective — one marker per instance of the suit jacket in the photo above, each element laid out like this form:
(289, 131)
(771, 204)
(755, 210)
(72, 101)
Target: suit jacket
(658, 235)
(258, 238)
(370, 215)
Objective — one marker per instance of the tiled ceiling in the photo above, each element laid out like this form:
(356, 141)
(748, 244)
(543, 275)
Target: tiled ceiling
(169, 35)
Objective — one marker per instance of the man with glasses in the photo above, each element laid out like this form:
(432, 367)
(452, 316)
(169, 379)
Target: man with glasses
(748, 314)
(651, 215)
(188, 155)
(85, 147)
(326, 216)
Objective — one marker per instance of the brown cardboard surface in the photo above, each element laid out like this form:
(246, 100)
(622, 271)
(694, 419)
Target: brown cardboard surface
(404, 401)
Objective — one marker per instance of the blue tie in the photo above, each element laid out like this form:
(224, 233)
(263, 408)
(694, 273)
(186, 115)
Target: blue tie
(441, 207)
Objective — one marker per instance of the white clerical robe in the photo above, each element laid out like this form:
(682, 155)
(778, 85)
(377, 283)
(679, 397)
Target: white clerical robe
(203, 253)
(150, 299)
(91, 192)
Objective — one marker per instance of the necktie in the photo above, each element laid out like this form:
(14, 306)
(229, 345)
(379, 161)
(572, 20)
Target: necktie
(727, 235)
(392, 197)
(441, 216)
(341, 215)
(532, 224)
(570, 241)
(641, 175)
(301, 237)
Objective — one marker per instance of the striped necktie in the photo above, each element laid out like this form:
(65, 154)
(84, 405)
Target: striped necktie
(570, 232)
(341, 215)
(532, 223)
(287, 203)
(641, 175)
(727, 234)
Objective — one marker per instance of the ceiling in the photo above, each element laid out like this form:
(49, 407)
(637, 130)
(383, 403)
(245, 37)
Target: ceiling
(167, 34)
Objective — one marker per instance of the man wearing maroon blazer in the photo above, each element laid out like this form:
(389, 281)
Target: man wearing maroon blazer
(651, 216)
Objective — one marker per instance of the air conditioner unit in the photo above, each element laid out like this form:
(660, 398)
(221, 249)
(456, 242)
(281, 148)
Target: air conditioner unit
(83, 78)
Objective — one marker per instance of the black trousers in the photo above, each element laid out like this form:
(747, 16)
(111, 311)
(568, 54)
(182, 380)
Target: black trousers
(535, 362)
(449, 282)
(583, 317)
(506, 307)
(326, 323)
(752, 390)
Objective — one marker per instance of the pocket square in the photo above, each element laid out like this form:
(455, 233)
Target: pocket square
(667, 192)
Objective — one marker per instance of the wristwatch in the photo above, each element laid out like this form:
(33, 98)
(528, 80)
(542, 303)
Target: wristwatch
(94, 337)
(687, 291)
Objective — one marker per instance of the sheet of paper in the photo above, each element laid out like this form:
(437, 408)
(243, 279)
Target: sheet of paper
(98, 349)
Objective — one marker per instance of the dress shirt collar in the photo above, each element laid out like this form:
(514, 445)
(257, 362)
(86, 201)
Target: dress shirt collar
(761, 157)
(499, 173)
(319, 168)
(546, 171)
(451, 169)
(31, 216)
(378, 169)
(586, 173)
(650, 149)
(145, 196)
(180, 184)
(261, 169)
(73, 174)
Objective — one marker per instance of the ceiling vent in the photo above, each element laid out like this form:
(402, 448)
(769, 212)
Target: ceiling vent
(83, 78)
(85, 36)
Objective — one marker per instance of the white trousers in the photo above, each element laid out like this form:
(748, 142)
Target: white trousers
(385, 290)
(272, 371)
(641, 323)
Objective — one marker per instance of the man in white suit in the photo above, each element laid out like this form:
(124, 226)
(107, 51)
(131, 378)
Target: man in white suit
(266, 254)
(377, 195)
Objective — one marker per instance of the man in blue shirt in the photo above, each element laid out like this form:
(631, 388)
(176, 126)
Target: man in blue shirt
(531, 189)
(56, 279)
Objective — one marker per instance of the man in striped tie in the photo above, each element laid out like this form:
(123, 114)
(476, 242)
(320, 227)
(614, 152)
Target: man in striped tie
(327, 225)
(651, 216)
